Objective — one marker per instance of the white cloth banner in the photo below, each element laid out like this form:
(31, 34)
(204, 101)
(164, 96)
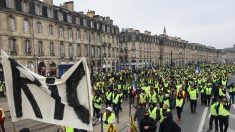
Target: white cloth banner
(66, 101)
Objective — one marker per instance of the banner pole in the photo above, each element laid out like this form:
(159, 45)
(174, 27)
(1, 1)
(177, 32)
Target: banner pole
(101, 119)
(14, 128)
(130, 108)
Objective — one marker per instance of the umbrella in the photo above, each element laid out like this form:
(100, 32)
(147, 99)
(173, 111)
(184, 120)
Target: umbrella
(231, 80)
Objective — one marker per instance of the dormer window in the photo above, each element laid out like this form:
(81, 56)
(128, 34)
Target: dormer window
(38, 9)
(97, 26)
(50, 12)
(10, 4)
(60, 16)
(25, 6)
(84, 22)
(92, 24)
(77, 20)
(69, 18)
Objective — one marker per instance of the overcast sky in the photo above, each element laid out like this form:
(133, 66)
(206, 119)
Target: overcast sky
(208, 22)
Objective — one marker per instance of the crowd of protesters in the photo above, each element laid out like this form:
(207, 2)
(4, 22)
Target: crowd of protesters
(157, 92)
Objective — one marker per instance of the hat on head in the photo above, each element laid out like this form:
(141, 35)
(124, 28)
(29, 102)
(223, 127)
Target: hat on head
(109, 108)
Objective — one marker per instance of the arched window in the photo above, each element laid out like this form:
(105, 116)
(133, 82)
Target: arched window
(12, 24)
(26, 25)
(12, 46)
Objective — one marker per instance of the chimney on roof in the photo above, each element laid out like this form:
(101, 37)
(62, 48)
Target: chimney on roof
(49, 2)
(69, 6)
(91, 13)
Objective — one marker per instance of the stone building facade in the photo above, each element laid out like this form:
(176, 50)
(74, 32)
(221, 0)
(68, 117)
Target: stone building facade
(138, 50)
(162, 50)
(47, 38)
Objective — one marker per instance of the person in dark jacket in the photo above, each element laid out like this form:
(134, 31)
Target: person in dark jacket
(139, 114)
(168, 125)
(147, 124)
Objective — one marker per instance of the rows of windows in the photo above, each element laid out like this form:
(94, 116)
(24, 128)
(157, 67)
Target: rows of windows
(97, 37)
(96, 51)
(57, 13)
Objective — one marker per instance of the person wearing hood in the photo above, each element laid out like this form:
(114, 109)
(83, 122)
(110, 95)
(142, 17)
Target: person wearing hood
(147, 124)
(168, 125)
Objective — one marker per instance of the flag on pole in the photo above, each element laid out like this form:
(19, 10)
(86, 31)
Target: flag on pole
(197, 69)
(134, 87)
(66, 101)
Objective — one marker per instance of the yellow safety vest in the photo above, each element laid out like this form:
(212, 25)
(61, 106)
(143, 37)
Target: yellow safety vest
(98, 106)
(193, 95)
(142, 98)
(108, 95)
(223, 111)
(208, 90)
(179, 102)
(161, 114)
(116, 99)
(152, 113)
(69, 129)
(213, 109)
(110, 120)
(153, 98)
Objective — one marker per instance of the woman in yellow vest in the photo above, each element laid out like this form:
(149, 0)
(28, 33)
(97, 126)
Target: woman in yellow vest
(108, 118)
(179, 105)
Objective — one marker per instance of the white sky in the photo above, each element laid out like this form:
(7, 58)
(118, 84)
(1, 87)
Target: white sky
(209, 22)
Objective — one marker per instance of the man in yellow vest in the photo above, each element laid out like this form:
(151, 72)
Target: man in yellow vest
(116, 98)
(108, 118)
(152, 97)
(2, 119)
(231, 93)
(97, 104)
(214, 115)
(193, 100)
(108, 97)
(153, 111)
(208, 93)
(223, 112)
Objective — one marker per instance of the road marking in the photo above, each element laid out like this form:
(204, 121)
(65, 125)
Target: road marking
(209, 115)
(200, 128)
